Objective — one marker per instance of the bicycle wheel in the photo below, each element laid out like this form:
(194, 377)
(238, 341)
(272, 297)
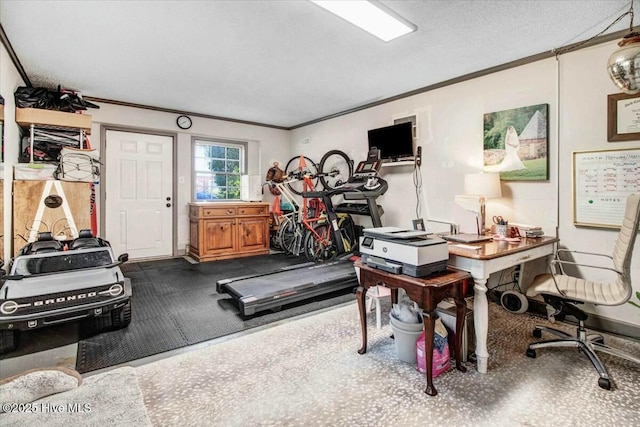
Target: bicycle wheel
(335, 169)
(282, 226)
(322, 248)
(294, 169)
(286, 234)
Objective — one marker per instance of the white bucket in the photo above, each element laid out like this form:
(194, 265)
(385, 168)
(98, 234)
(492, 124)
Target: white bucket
(405, 337)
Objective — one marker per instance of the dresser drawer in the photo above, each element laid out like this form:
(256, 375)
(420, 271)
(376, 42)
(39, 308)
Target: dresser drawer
(253, 210)
(218, 212)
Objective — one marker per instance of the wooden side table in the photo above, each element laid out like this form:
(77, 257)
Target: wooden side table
(427, 292)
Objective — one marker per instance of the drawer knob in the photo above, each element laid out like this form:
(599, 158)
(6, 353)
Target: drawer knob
(229, 211)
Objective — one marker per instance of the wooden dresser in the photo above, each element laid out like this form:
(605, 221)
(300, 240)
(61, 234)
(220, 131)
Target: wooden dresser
(228, 230)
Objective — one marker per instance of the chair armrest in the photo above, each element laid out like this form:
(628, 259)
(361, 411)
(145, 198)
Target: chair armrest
(559, 261)
(583, 253)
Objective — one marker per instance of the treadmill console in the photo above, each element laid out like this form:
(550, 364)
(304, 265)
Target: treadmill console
(366, 169)
(365, 184)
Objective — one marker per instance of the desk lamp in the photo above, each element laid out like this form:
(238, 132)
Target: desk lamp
(477, 188)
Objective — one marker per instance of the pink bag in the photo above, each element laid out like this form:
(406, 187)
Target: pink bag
(440, 352)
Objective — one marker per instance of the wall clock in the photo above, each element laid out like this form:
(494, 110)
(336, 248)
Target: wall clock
(184, 122)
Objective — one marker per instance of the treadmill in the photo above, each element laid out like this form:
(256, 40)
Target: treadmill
(270, 291)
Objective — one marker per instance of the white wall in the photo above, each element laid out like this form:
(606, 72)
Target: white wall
(584, 89)
(9, 80)
(450, 121)
(450, 131)
(266, 145)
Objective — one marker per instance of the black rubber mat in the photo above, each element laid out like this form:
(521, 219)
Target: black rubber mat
(175, 304)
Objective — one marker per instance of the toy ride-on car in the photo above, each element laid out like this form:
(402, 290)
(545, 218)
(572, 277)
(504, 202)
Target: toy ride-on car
(52, 282)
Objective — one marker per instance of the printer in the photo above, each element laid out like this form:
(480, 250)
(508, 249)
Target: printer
(398, 250)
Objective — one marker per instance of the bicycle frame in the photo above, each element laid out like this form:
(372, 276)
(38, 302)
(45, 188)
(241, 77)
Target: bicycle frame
(299, 216)
(331, 217)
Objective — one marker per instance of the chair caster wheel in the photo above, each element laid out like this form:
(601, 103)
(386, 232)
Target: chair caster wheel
(537, 333)
(531, 353)
(604, 383)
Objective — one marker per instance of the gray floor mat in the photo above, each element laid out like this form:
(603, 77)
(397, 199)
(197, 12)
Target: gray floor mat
(175, 304)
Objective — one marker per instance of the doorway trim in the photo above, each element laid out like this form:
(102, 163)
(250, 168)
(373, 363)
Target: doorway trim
(103, 174)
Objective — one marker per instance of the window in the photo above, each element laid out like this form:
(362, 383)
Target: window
(217, 166)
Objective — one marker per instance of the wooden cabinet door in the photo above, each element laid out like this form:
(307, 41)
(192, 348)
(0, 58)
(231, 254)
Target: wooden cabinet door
(218, 236)
(253, 233)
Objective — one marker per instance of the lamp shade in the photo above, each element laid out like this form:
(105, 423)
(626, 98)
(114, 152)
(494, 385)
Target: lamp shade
(624, 64)
(483, 184)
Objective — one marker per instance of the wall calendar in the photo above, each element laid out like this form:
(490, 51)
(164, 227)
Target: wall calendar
(602, 180)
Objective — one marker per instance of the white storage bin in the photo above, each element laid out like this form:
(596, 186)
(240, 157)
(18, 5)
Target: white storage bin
(34, 171)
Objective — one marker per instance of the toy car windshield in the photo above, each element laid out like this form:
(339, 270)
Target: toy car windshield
(61, 261)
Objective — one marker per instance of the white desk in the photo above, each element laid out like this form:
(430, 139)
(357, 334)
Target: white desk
(493, 256)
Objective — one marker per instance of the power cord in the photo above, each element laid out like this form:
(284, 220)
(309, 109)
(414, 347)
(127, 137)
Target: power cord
(417, 180)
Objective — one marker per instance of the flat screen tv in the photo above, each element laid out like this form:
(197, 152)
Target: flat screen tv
(394, 142)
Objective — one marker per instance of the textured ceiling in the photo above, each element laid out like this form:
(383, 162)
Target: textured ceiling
(280, 63)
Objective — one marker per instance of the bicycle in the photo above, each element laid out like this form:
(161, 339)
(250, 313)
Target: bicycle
(290, 233)
(335, 169)
(306, 229)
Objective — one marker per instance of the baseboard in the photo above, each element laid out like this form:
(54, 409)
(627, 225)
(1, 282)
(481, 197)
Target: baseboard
(616, 327)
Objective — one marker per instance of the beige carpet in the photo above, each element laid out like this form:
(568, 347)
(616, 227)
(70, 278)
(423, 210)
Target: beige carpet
(108, 399)
(307, 372)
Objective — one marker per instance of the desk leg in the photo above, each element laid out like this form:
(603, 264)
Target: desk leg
(360, 296)
(428, 319)
(481, 322)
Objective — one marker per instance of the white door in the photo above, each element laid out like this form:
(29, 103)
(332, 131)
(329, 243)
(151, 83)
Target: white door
(139, 194)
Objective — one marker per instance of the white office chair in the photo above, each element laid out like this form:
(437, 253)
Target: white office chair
(562, 292)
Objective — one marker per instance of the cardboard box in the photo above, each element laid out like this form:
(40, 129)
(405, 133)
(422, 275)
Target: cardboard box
(26, 116)
(447, 312)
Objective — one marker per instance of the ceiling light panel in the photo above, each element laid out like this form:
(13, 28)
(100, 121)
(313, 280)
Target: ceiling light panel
(372, 17)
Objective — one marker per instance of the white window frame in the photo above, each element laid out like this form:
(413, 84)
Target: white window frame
(195, 141)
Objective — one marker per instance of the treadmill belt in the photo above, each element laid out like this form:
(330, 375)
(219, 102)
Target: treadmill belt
(273, 291)
(292, 279)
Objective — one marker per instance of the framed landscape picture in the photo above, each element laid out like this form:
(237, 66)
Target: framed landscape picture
(516, 143)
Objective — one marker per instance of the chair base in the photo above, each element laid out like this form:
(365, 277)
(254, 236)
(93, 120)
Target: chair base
(589, 344)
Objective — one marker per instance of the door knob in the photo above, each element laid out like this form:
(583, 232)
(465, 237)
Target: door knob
(168, 205)
(168, 199)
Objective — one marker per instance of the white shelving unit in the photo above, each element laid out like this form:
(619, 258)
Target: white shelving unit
(401, 163)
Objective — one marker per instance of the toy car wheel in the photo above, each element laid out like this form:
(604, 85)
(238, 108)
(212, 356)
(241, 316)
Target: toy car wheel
(121, 317)
(8, 341)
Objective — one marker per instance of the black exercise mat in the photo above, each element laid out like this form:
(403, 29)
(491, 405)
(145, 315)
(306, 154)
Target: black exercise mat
(175, 304)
